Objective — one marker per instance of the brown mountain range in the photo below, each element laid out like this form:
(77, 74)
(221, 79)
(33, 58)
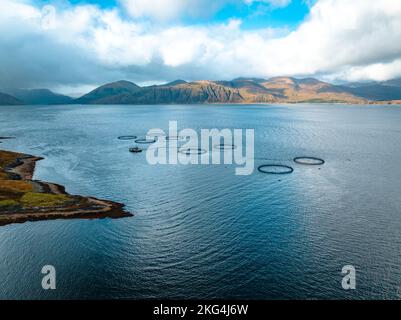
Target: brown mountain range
(241, 90)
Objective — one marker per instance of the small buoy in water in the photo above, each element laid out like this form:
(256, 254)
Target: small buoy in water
(135, 150)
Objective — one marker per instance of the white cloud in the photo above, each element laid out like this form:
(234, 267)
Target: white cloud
(376, 71)
(159, 9)
(62, 46)
(339, 35)
(18, 10)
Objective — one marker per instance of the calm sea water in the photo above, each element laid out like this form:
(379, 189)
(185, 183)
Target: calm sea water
(202, 231)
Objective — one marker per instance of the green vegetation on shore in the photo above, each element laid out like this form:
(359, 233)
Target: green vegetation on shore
(23, 199)
(34, 199)
(20, 194)
(8, 204)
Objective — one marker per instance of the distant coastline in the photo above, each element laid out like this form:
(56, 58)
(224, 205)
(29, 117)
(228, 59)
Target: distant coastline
(278, 90)
(23, 199)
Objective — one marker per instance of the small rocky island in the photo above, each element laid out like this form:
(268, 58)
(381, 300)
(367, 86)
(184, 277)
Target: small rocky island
(23, 199)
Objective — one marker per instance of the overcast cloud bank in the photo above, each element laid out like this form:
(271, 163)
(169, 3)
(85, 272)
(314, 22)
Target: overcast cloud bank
(63, 45)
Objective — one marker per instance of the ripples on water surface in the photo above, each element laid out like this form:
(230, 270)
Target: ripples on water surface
(201, 231)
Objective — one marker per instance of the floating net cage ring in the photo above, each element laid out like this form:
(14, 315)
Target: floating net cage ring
(309, 161)
(127, 137)
(145, 141)
(189, 151)
(225, 146)
(174, 138)
(269, 168)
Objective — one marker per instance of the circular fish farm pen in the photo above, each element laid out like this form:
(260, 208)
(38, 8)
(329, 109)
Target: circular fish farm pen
(191, 151)
(275, 169)
(175, 138)
(223, 146)
(309, 161)
(127, 137)
(145, 141)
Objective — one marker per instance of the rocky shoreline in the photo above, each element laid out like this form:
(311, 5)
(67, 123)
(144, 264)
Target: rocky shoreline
(73, 206)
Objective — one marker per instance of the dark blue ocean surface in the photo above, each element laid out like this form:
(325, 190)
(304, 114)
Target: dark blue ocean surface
(200, 231)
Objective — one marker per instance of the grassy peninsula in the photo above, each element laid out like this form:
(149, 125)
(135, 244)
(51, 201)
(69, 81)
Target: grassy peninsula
(23, 199)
